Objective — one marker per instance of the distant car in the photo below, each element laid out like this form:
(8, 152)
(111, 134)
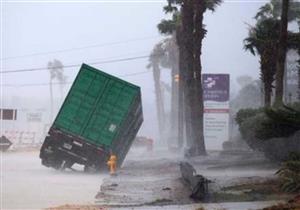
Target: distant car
(142, 141)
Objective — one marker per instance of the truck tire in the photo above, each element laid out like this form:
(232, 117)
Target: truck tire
(66, 164)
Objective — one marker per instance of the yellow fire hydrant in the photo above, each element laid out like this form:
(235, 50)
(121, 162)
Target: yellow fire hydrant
(112, 164)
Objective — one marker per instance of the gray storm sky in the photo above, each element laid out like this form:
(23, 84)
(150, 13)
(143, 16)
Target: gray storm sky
(30, 28)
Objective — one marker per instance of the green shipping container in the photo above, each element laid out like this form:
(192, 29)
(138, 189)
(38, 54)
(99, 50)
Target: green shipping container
(100, 110)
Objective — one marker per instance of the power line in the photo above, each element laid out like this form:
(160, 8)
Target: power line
(75, 65)
(67, 83)
(79, 48)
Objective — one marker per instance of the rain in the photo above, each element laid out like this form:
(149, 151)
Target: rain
(155, 104)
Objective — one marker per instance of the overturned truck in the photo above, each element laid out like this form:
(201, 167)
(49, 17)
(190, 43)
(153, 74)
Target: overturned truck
(100, 115)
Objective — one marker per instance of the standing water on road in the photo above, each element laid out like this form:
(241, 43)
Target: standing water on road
(26, 184)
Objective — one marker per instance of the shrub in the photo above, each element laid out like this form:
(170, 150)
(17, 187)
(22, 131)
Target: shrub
(249, 129)
(289, 174)
(244, 114)
(278, 149)
(268, 123)
(272, 131)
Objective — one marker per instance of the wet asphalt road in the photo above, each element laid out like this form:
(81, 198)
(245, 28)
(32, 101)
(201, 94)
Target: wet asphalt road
(26, 184)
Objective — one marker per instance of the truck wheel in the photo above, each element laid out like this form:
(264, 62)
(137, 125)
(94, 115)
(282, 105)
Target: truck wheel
(45, 162)
(56, 164)
(66, 164)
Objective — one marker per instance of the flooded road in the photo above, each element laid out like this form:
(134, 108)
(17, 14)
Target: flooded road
(26, 184)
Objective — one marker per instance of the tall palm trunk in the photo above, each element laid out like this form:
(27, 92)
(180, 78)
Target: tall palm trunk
(265, 67)
(184, 125)
(173, 56)
(268, 59)
(51, 101)
(181, 85)
(298, 83)
(197, 104)
(281, 53)
(189, 84)
(180, 113)
(298, 49)
(174, 103)
(159, 100)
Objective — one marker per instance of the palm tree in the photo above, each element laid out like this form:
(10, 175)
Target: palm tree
(197, 101)
(298, 95)
(169, 60)
(262, 40)
(273, 10)
(193, 33)
(56, 70)
(282, 48)
(173, 29)
(155, 59)
(187, 22)
(293, 43)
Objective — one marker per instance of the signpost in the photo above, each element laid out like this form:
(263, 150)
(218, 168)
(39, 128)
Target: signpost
(216, 109)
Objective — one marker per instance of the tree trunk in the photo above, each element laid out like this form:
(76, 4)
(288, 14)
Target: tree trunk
(159, 101)
(266, 78)
(174, 94)
(267, 95)
(299, 73)
(299, 84)
(281, 54)
(197, 105)
(180, 114)
(51, 101)
(189, 83)
(181, 70)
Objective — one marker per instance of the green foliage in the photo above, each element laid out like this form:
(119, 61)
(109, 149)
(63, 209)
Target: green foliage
(273, 10)
(270, 128)
(267, 123)
(250, 127)
(169, 8)
(167, 26)
(295, 106)
(285, 115)
(244, 114)
(262, 36)
(272, 131)
(263, 39)
(289, 173)
(164, 53)
(212, 4)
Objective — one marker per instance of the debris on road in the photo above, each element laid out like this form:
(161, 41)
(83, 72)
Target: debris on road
(197, 183)
(144, 182)
(148, 180)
